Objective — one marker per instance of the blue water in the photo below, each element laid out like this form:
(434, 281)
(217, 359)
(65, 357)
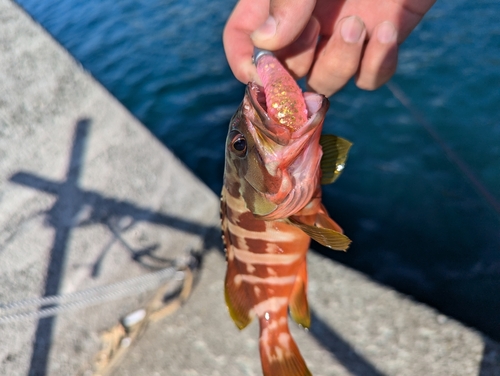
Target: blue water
(417, 222)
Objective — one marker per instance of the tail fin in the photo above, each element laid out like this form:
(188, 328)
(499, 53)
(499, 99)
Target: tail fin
(279, 354)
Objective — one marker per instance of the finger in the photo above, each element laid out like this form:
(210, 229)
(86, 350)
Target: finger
(380, 57)
(298, 57)
(409, 15)
(286, 21)
(338, 57)
(246, 17)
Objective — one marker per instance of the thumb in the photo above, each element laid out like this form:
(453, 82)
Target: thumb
(287, 19)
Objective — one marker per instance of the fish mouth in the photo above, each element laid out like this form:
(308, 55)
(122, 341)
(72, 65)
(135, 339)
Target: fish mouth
(290, 157)
(316, 105)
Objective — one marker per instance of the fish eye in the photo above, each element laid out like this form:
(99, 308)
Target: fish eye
(239, 144)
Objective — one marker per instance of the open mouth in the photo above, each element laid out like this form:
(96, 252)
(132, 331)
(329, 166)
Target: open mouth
(278, 132)
(260, 97)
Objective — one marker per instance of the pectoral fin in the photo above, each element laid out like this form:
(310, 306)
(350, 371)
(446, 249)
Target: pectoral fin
(329, 238)
(335, 151)
(324, 220)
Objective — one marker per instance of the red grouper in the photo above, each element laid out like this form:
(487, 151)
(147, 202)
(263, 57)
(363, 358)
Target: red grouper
(276, 159)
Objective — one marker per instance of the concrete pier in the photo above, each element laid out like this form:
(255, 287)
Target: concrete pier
(88, 198)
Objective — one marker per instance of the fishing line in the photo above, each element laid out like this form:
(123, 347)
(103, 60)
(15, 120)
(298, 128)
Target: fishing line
(466, 171)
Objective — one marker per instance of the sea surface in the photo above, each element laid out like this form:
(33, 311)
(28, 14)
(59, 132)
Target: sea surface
(419, 195)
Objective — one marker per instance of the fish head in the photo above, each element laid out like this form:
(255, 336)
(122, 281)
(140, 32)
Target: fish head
(274, 167)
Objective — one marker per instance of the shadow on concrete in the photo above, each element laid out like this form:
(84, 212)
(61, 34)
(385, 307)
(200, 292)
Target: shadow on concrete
(75, 207)
(340, 349)
(65, 208)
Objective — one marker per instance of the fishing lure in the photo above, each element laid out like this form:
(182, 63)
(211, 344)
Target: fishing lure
(276, 159)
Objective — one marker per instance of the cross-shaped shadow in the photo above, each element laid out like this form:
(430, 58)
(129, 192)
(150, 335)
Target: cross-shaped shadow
(77, 207)
(59, 217)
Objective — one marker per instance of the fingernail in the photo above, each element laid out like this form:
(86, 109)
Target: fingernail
(265, 31)
(351, 29)
(386, 32)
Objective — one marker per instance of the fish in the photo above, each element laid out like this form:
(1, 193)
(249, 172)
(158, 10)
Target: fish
(276, 160)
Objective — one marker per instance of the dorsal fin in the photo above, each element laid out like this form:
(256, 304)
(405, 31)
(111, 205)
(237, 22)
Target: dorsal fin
(335, 151)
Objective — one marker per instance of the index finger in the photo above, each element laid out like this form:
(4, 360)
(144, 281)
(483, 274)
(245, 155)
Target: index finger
(246, 17)
(286, 22)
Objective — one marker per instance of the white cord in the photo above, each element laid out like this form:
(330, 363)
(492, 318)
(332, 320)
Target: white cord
(80, 299)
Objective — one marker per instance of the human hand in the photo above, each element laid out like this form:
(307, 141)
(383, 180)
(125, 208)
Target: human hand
(356, 38)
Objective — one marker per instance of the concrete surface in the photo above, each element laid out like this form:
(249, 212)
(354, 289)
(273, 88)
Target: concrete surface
(85, 191)
(88, 197)
(358, 328)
